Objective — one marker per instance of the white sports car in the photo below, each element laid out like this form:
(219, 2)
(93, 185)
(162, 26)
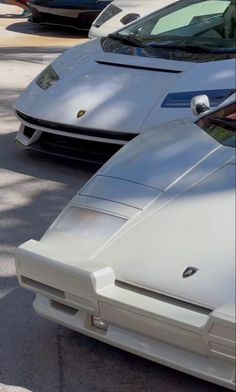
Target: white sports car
(120, 13)
(143, 257)
(112, 89)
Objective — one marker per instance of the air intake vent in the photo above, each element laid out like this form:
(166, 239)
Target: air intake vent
(63, 308)
(163, 298)
(154, 69)
(41, 287)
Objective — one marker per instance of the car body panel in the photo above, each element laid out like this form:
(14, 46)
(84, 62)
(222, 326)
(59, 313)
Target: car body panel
(109, 90)
(113, 95)
(115, 98)
(197, 168)
(70, 13)
(130, 273)
(165, 267)
(168, 160)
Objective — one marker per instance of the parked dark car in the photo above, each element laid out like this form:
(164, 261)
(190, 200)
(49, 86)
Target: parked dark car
(75, 13)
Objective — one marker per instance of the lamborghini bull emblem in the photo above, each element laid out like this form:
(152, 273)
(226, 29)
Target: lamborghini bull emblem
(81, 113)
(189, 272)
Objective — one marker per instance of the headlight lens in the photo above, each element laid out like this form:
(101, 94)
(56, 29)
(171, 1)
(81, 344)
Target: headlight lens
(91, 224)
(183, 99)
(47, 78)
(107, 14)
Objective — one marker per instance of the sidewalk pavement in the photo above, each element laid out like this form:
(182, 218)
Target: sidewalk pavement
(16, 31)
(25, 49)
(28, 345)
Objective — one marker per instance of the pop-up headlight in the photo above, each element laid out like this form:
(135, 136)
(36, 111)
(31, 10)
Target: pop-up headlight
(107, 14)
(183, 99)
(47, 78)
(88, 223)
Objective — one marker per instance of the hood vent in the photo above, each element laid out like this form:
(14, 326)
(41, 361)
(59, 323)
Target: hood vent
(145, 68)
(163, 298)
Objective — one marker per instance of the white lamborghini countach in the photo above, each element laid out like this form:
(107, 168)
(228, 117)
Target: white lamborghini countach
(111, 89)
(143, 257)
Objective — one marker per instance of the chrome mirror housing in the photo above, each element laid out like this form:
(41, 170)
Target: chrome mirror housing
(200, 104)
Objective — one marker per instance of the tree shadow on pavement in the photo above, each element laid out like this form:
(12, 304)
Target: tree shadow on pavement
(28, 344)
(40, 165)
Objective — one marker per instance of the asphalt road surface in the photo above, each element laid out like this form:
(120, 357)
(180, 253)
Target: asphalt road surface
(37, 355)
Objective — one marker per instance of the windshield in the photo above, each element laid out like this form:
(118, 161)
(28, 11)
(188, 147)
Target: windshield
(221, 125)
(204, 24)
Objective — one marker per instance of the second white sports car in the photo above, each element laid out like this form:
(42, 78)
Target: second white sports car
(112, 89)
(143, 257)
(122, 12)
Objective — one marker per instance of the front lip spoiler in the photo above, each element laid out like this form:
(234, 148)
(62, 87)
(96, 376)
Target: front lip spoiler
(82, 151)
(116, 136)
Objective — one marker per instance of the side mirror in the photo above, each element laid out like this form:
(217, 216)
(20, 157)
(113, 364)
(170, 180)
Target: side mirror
(200, 104)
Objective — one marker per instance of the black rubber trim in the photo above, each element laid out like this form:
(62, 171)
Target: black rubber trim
(163, 298)
(77, 130)
(138, 67)
(73, 148)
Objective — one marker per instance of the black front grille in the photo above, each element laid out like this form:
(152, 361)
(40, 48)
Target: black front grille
(116, 136)
(78, 149)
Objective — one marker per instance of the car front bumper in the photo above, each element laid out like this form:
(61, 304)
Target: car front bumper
(185, 337)
(78, 19)
(68, 141)
(207, 368)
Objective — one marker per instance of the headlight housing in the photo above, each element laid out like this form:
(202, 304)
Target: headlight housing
(107, 14)
(183, 99)
(47, 78)
(84, 222)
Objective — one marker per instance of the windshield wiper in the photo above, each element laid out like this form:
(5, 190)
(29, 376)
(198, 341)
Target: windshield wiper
(225, 122)
(127, 39)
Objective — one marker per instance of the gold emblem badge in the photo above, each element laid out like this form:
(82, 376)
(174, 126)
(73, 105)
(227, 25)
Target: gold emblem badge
(81, 113)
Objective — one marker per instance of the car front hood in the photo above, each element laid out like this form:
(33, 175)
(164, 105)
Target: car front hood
(116, 92)
(195, 233)
(180, 225)
(162, 156)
